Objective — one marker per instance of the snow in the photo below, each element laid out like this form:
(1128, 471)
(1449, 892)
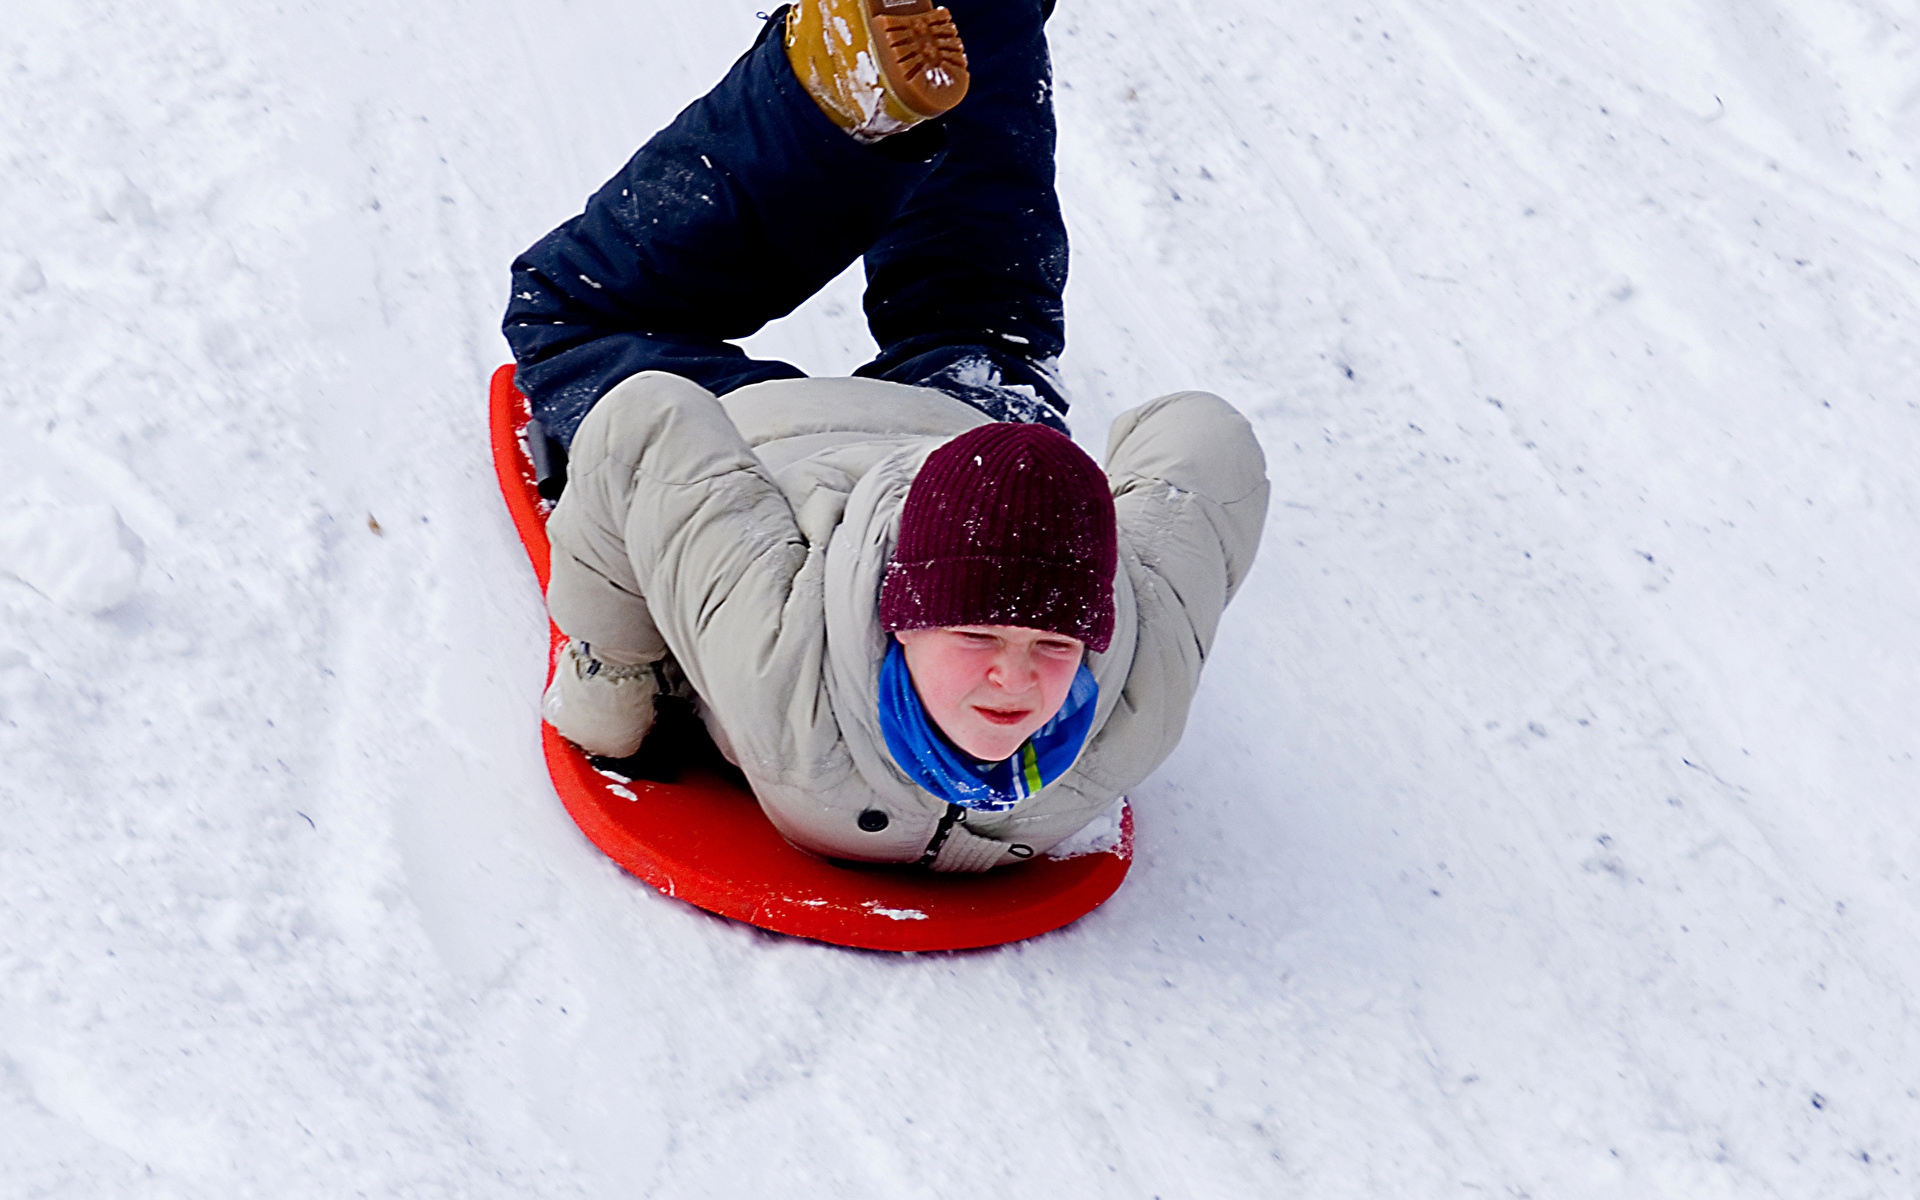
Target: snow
(1098, 836)
(894, 914)
(1544, 826)
(77, 554)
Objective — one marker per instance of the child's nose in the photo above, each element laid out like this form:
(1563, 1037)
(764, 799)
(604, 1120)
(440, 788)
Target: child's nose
(1014, 670)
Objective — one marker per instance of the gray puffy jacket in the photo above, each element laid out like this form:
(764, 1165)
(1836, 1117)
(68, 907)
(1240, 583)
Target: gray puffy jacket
(746, 537)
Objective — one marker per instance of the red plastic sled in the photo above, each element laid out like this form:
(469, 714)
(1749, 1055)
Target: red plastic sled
(704, 839)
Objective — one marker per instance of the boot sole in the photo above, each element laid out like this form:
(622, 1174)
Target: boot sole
(922, 62)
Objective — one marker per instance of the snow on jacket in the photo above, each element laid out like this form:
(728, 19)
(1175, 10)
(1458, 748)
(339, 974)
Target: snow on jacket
(747, 536)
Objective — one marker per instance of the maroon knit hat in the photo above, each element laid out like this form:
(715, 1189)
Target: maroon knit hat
(1006, 525)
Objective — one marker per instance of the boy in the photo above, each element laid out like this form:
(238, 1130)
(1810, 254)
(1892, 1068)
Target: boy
(924, 624)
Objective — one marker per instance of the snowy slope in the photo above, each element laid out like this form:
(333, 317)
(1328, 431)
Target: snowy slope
(1546, 824)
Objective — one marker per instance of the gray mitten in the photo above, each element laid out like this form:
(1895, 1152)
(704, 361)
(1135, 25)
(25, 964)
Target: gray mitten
(603, 708)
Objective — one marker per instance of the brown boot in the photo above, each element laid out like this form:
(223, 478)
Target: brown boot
(877, 67)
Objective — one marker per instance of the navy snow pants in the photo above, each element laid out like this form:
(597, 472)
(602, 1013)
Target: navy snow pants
(752, 200)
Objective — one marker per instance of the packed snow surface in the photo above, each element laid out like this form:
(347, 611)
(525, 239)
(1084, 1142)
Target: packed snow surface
(1545, 826)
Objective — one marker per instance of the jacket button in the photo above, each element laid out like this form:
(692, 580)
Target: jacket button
(873, 820)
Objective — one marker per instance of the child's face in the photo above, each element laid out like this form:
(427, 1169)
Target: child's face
(988, 687)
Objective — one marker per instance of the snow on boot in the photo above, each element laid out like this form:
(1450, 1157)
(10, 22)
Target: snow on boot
(877, 67)
(603, 708)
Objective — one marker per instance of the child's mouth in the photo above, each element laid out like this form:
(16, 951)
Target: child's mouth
(1000, 716)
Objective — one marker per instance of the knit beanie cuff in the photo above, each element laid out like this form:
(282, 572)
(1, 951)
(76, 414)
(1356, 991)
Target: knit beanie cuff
(994, 590)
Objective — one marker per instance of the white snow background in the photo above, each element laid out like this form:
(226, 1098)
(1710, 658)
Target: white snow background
(1546, 823)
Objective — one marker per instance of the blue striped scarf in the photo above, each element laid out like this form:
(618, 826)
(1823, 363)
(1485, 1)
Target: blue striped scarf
(937, 765)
